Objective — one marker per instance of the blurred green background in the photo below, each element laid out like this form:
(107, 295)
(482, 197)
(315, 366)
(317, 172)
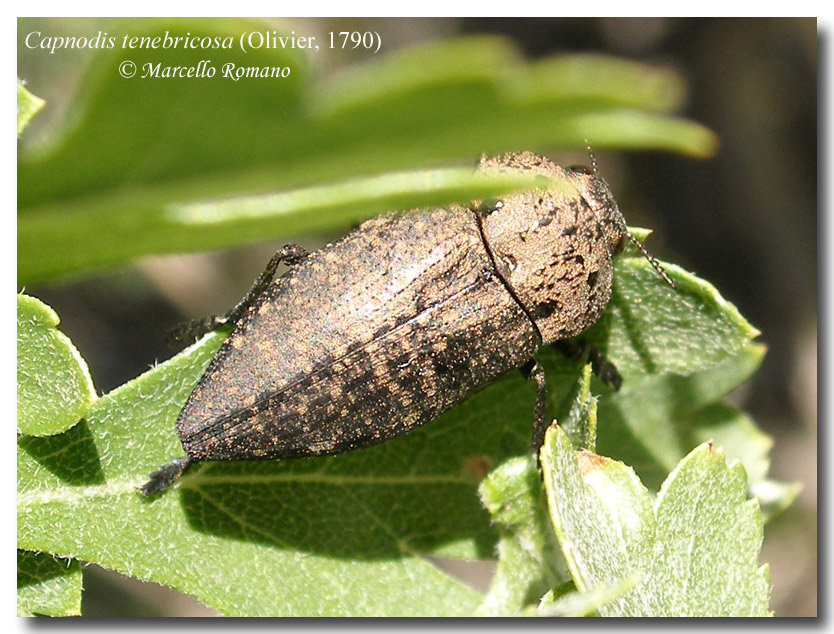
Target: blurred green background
(745, 220)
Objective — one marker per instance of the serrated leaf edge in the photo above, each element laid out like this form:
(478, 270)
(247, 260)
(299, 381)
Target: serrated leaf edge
(90, 396)
(687, 279)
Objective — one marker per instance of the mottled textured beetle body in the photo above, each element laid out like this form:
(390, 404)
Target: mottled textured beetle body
(404, 318)
(363, 341)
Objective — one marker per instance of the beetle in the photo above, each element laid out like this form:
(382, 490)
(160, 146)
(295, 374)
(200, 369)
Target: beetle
(404, 318)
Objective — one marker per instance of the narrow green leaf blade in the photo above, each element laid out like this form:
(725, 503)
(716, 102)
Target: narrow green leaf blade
(616, 80)
(54, 387)
(210, 224)
(580, 423)
(47, 585)
(529, 561)
(136, 153)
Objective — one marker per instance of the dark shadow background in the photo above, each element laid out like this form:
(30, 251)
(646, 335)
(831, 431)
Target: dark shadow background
(745, 220)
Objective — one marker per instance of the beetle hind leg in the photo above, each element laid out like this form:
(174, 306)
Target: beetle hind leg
(290, 254)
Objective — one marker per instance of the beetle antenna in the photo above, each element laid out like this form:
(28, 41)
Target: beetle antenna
(591, 157)
(652, 260)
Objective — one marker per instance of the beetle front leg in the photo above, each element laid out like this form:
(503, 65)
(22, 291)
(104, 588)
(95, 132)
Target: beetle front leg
(289, 254)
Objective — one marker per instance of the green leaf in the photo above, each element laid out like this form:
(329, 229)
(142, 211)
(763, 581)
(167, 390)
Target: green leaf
(211, 224)
(27, 106)
(47, 585)
(679, 351)
(695, 547)
(742, 440)
(641, 329)
(287, 528)
(653, 421)
(54, 387)
(529, 562)
(710, 534)
(141, 151)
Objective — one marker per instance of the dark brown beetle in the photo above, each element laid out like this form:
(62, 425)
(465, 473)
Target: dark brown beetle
(402, 319)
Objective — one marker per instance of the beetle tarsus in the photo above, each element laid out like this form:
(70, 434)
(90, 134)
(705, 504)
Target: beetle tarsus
(165, 476)
(194, 329)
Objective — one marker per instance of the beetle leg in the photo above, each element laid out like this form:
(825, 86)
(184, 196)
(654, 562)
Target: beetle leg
(289, 254)
(193, 329)
(585, 353)
(533, 371)
(604, 369)
(165, 476)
